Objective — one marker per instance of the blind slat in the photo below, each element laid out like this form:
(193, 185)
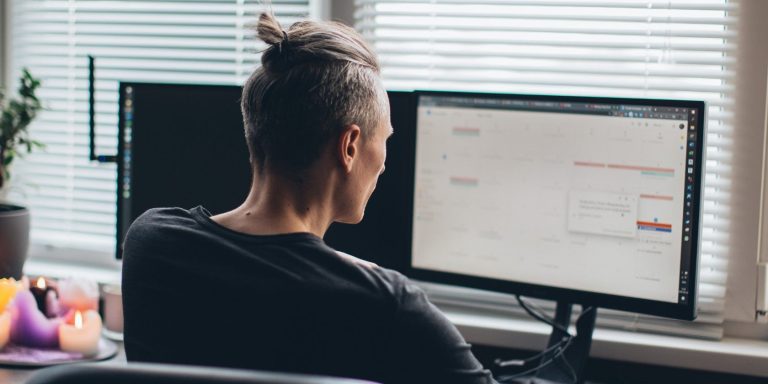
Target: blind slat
(552, 42)
(615, 31)
(639, 4)
(512, 14)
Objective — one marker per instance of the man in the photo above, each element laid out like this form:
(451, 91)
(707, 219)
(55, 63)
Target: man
(256, 287)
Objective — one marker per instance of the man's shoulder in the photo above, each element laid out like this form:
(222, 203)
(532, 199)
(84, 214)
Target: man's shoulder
(391, 276)
(154, 216)
(395, 283)
(157, 218)
(159, 223)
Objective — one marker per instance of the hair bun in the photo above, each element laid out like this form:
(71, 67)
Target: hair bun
(275, 58)
(310, 42)
(270, 31)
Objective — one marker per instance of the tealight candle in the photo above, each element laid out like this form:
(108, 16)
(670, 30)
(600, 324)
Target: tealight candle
(5, 328)
(8, 289)
(82, 335)
(29, 327)
(40, 289)
(79, 295)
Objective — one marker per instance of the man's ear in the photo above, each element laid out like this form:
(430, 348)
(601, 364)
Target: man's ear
(348, 149)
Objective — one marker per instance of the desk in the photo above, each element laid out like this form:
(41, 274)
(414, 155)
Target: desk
(603, 372)
(20, 375)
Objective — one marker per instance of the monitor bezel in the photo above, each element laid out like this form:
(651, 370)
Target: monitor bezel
(686, 311)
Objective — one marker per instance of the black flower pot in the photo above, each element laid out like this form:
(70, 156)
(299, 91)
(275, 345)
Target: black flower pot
(14, 240)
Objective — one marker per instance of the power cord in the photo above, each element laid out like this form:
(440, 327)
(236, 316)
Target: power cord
(558, 349)
(541, 317)
(522, 362)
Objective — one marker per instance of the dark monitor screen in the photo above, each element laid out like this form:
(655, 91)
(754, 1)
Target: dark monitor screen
(184, 145)
(585, 200)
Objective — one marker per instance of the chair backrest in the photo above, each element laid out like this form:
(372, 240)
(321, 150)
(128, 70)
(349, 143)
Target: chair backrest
(146, 373)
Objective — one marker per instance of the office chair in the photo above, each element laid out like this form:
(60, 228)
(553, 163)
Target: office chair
(145, 373)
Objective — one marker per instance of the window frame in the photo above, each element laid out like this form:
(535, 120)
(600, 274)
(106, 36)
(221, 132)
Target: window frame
(740, 321)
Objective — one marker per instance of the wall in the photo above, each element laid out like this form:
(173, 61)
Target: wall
(749, 129)
(3, 45)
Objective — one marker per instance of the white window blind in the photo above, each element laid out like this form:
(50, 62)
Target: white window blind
(73, 200)
(656, 49)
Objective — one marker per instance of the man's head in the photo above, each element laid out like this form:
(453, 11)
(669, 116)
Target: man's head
(318, 91)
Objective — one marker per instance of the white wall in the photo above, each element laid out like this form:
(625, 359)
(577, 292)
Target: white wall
(3, 46)
(749, 124)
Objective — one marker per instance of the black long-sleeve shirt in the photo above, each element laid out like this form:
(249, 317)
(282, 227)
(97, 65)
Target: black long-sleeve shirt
(195, 292)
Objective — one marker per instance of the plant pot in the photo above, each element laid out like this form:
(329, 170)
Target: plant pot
(14, 240)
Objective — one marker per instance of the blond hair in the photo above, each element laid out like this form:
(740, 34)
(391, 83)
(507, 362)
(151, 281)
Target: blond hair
(315, 79)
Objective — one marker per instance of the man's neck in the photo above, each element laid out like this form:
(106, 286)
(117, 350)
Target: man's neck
(278, 205)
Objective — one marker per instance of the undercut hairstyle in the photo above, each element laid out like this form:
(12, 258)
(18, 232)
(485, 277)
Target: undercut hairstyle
(315, 79)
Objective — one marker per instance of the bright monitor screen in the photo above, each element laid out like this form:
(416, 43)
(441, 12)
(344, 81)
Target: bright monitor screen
(593, 200)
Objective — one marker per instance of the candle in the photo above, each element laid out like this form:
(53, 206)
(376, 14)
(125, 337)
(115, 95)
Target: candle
(5, 328)
(29, 327)
(82, 334)
(8, 289)
(79, 295)
(52, 308)
(40, 288)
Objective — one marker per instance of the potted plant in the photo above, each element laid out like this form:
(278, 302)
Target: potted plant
(15, 116)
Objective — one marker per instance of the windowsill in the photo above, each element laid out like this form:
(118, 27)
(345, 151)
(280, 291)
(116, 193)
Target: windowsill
(61, 269)
(730, 355)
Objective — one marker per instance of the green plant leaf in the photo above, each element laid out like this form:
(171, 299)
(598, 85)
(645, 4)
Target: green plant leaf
(15, 116)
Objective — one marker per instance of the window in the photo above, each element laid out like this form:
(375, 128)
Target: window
(72, 199)
(656, 49)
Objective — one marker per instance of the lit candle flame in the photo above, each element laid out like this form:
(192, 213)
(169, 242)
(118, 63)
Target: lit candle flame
(78, 320)
(40, 282)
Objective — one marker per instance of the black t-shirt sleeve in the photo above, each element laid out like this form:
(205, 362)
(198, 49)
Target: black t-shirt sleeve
(429, 345)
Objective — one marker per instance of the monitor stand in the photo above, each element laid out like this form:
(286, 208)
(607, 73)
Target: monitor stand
(569, 367)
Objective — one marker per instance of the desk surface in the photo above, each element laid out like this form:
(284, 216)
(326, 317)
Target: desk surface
(607, 372)
(21, 375)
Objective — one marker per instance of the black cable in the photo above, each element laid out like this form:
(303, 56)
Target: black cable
(560, 352)
(571, 371)
(503, 363)
(542, 317)
(554, 357)
(521, 362)
(91, 109)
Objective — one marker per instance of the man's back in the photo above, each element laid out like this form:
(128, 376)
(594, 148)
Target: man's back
(197, 293)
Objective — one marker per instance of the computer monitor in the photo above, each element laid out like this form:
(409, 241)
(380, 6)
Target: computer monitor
(576, 199)
(180, 146)
(184, 145)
